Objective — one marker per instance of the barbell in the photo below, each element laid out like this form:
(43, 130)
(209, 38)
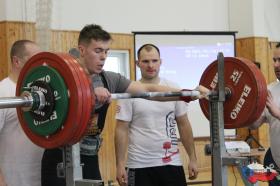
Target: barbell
(54, 97)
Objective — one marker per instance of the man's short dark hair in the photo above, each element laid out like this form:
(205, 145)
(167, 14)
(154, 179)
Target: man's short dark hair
(18, 48)
(95, 32)
(147, 47)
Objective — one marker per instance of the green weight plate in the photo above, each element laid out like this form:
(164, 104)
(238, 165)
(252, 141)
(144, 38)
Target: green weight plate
(70, 76)
(60, 92)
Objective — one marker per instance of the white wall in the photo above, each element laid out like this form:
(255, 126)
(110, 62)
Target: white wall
(18, 10)
(127, 15)
(2, 10)
(255, 18)
(145, 15)
(271, 19)
(248, 17)
(241, 17)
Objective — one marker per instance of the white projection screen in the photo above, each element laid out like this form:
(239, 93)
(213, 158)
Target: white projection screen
(185, 56)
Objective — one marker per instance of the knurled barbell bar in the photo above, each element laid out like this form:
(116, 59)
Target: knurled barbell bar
(54, 97)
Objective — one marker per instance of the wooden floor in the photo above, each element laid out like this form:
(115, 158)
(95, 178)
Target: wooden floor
(234, 178)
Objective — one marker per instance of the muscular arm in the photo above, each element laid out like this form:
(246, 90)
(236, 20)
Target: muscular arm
(186, 136)
(121, 141)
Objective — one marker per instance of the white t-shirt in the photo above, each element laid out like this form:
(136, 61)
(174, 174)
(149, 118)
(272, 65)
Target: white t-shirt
(20, 159)
(152, 130)
(274, 123)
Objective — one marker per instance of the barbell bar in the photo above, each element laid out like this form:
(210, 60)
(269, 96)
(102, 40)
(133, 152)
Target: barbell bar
(54, 97)
(12, 102)
(34, 100)
(27, 101)
(192, 93)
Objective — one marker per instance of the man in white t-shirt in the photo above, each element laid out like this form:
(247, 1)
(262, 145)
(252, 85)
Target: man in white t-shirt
(148, 129)
(271, 115)
(20, 159)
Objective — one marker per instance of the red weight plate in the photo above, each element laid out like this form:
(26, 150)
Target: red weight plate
(70, 76)
(84, 109)
(53, 140)
(67, 59)
(88, 101)
(262, 90)
(248, 91)
(89, 106)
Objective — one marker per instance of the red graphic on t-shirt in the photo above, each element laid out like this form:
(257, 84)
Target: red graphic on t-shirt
(167, 158)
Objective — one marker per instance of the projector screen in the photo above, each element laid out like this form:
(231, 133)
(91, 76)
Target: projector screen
(185, 56)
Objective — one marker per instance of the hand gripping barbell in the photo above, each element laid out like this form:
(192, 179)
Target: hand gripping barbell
(54, 97)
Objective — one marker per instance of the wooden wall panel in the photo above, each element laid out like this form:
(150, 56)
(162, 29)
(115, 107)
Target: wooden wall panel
(62, 41)
(245, 48)
(261, 54)
(125, 42)
(9, 33)
(3, 52)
